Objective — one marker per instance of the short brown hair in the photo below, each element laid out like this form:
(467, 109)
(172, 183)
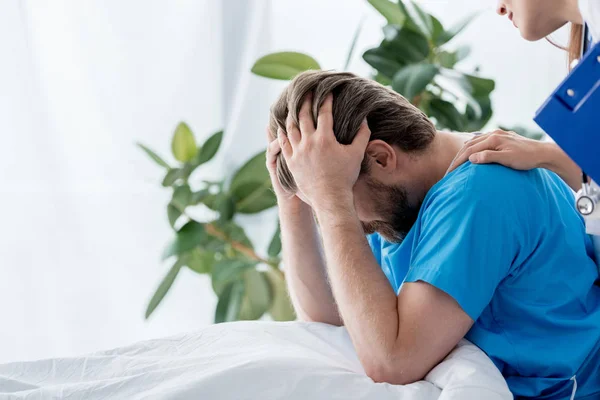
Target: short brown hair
(390, 116)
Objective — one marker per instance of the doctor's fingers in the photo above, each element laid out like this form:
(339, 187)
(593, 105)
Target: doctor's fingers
(498, 136)
(489, 143)
(502, 157)
(460, 157)
(495, 140)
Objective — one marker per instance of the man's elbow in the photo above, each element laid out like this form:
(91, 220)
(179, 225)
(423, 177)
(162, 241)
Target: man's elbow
(392, 372)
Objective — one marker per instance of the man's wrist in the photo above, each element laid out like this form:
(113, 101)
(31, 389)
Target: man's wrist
(293, 207)
(334, 203)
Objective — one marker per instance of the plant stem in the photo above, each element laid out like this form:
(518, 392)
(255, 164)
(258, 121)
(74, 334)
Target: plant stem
(213, 231)
(416, 101)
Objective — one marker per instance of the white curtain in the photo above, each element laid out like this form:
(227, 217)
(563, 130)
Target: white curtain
(82, 212)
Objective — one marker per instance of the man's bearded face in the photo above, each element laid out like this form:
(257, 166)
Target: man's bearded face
(385, 209)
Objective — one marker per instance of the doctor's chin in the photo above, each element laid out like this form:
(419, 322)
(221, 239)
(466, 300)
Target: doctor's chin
(357, 199)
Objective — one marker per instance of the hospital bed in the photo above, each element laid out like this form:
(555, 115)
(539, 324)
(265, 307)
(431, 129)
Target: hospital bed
(245, 360)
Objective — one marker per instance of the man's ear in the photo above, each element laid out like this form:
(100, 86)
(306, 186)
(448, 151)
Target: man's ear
(382, 155)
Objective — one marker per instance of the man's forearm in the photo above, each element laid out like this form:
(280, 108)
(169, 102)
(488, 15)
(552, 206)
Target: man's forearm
(366, 301)
(305, 267)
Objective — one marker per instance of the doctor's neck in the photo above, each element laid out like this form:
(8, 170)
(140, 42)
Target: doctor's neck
(571, 13)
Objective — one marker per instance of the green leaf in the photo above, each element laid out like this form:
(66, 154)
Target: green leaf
(475, 123)
(173, 176)
(389, 10)
(220, 202)
(284, 65)
(413, 79)
(226, 209)
(437, 30)
(281, 307)
(254, 197)
(257, 295)
(228, 232)
(447, 59)
(383, 61)
(199, 261)
(215, 245)
(154, 156)
(446, 115)
(182, 196)
(457, 84)
(230, 302)
(353, 43)
(189, 236)
(251, 186)
(417, 19)
(234, 232)
(163, 288)
(254, 170)
(211, 200)
(480, 90)
(448, 35)
(183, 144)
(481, 86)
(228, 270)
(198, 197)
(275, 245)
(173, 214)
(209, 149)
(475, 91)
(382, 79)
(407, 45)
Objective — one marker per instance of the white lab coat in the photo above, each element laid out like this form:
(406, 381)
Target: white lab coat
(590, 11)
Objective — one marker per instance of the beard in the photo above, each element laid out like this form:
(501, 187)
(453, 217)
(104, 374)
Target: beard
(399, 215)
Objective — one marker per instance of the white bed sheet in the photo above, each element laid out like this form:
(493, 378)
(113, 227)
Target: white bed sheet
(245, 360)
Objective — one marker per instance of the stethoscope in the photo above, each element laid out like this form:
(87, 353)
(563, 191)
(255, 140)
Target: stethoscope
(588, 198)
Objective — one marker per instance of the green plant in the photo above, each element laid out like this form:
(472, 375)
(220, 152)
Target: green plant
(247, 284)
(415, 59)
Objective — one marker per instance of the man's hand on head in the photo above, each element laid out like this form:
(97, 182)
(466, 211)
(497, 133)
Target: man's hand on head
(324, 170)
(287, 202)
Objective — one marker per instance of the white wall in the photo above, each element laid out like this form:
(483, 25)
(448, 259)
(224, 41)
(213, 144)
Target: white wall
(82, 211)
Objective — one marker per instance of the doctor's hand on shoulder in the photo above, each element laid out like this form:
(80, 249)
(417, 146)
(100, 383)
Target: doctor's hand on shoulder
(518, 152)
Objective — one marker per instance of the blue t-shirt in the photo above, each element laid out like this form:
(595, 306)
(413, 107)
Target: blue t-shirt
(512, 250)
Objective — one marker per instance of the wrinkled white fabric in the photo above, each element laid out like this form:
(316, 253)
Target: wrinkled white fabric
(245, 360)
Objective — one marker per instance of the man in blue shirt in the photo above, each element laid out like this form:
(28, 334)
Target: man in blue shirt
(494, 239)
(496, 255)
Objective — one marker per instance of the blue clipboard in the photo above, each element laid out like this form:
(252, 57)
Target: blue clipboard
(571, 115)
